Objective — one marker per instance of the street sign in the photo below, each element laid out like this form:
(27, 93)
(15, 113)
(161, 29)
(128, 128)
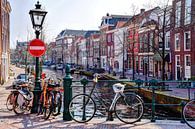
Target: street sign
(37, 48)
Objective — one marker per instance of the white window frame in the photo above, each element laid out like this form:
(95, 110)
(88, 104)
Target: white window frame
(185, 40)
(176, 65)
(151, 64)
(177, 60)
(177, 36)
(186, 58)
(188, 4)
(178, 14)
(167, 38)
(141, 62)
(187, 66)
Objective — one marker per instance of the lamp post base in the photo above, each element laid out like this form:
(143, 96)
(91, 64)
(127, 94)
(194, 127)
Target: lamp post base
(37, 94)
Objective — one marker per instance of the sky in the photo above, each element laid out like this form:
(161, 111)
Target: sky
(66, 14)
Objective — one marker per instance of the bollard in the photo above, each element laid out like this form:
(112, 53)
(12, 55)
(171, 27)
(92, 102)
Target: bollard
(194, 95)
(139, 82)
(153, 83)
(182, 106)
(67, 93)
(189, 88)
(84, 81)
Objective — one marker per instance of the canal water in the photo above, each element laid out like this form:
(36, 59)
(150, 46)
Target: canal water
(105, 92)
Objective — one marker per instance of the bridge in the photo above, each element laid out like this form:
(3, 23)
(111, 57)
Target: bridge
(12, 121)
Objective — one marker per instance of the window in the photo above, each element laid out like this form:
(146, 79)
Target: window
(187, 41)
(109, 38)
(178, 14)
(151, 42)
(177, 60)
(160, 40)
(145, 44)
(187, 60)
(188, 11)
(177, 42)
(167, 41)
(141, 63)
(151, 63)
(140, 43)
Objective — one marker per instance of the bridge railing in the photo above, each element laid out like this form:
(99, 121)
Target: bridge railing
(162, 99)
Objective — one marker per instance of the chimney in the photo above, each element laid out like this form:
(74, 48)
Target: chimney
(142, 10)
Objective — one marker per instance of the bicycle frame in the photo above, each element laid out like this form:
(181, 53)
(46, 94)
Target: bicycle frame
(116, 96)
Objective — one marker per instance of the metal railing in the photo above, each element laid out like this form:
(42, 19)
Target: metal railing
(159, 96)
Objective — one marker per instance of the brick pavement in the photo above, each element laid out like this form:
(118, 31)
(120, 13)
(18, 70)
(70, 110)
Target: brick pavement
(8, 120)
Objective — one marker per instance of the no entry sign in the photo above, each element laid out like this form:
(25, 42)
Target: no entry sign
(36, 48)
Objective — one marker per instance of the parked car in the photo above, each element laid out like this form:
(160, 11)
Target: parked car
(21, 78)
(59, 66)
(53, 66)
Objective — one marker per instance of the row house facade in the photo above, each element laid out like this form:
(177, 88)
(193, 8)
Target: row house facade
(51, 53)
(144, 42)
(137, 42)
(107, 37)
(65, 45)
(22, 55)
(4, 40)
(157, 42)
(183, 39)
(75, 47)
(95, 41)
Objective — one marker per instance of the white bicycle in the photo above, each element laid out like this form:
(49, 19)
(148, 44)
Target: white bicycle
(127, 106)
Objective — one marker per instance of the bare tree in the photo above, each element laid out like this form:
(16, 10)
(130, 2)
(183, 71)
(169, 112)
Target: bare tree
(122, 47)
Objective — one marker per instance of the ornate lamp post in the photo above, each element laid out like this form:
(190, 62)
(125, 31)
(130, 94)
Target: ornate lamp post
(37, 17)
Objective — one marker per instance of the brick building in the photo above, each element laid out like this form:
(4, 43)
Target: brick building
(4, 40)
(183, 52)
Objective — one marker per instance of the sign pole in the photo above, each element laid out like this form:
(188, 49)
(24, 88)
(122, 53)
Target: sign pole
(36, 49)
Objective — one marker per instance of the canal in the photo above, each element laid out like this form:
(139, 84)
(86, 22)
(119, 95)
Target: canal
(105, 91)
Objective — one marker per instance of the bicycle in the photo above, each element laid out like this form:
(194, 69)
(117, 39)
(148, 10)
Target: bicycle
(20, 99)
(188, 113)
(51, 99)
(11, 99)
(127, 106)
(57, 98)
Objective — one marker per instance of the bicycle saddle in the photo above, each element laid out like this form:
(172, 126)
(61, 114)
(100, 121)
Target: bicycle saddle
(118, 87)
(51, 85)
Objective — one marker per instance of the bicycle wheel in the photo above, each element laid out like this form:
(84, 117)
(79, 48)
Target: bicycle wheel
(49, 106)
(82, 108)
(19, 104)
(189, 113)
(58, 104)
(129, 108)
(40, 105)
(10, 101)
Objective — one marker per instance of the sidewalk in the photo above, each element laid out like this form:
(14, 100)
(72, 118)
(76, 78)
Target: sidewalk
(8, 119)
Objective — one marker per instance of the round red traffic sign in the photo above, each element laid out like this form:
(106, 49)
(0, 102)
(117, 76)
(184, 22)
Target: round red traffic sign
(36, 48)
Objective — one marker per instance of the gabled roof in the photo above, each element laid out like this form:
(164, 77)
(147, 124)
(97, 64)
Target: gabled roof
(120, 24)
(114, 19)
(69, 32)
(140, 16)
(91, 32)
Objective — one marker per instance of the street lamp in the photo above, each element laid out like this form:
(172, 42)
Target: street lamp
(37, 17)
